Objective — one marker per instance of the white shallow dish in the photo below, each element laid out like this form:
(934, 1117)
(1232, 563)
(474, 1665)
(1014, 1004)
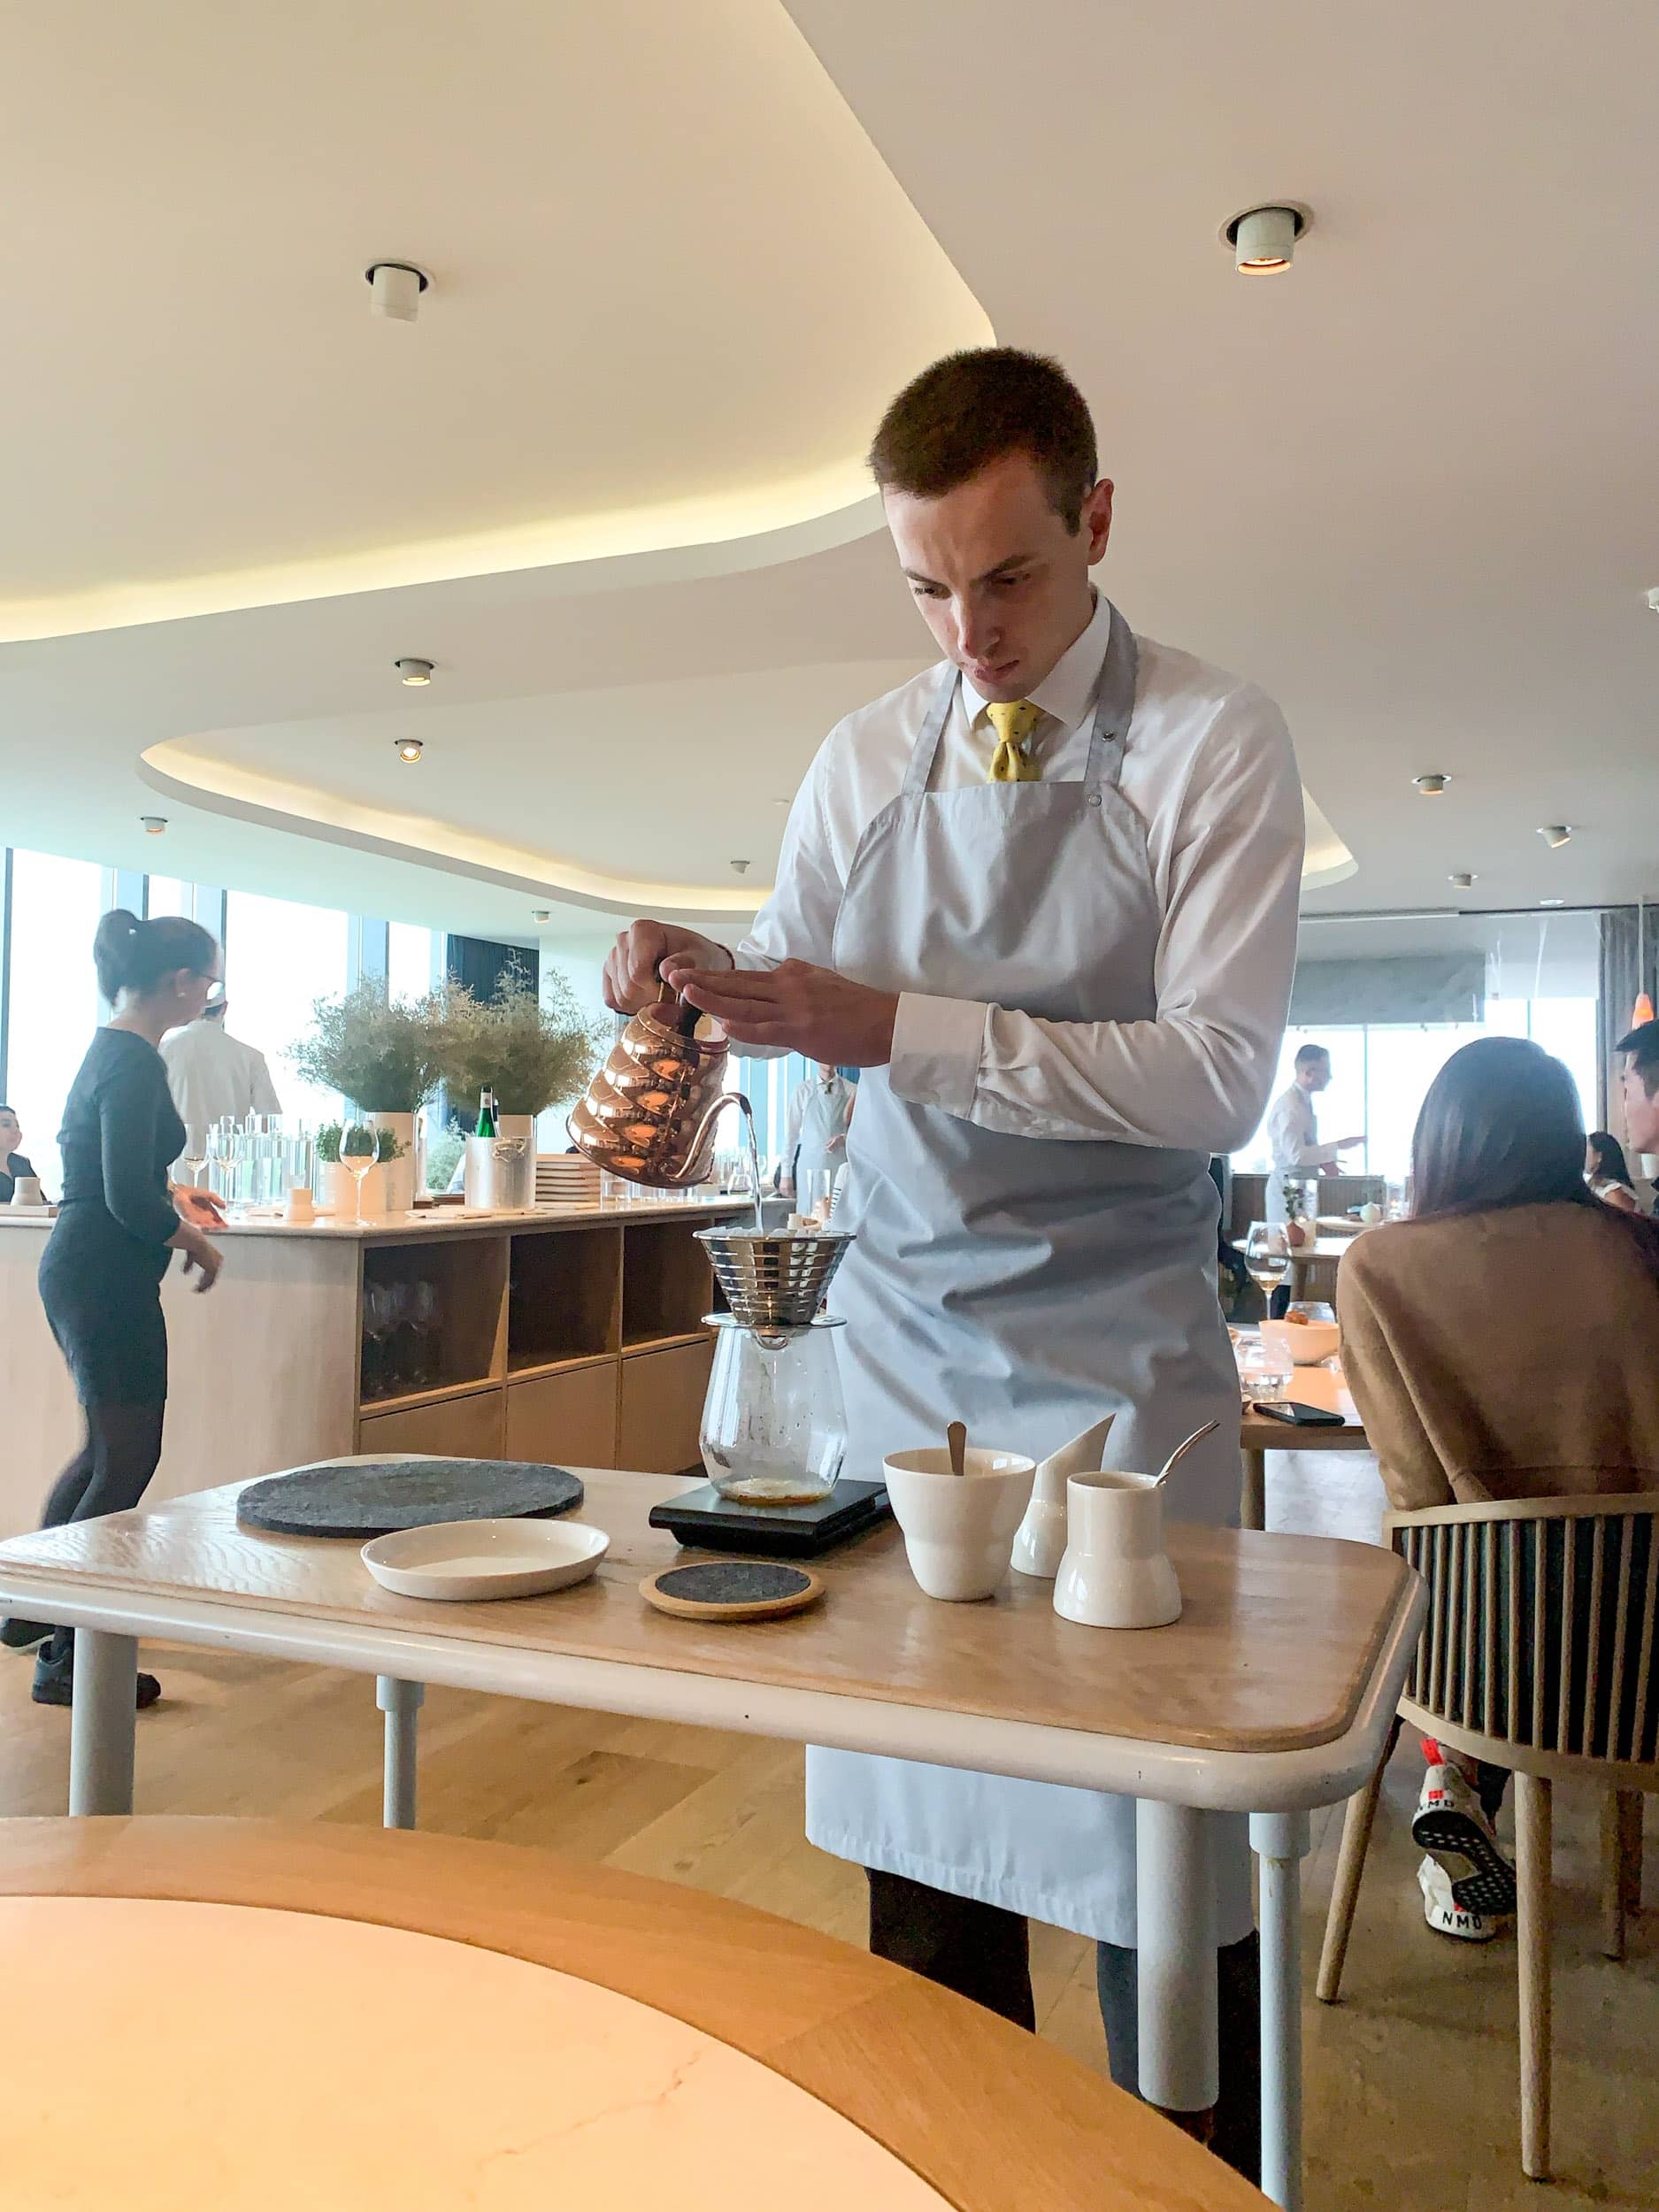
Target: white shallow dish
(485, 1559)
(1304, 1343)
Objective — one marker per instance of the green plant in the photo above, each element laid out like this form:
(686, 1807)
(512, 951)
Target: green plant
(532, 1051)
(386, 1144)
(379, 1052)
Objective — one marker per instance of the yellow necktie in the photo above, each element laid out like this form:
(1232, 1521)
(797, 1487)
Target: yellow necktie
(1013, 720)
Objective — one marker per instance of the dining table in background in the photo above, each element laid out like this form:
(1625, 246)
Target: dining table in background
(1322, 1386)
(1271, 1695)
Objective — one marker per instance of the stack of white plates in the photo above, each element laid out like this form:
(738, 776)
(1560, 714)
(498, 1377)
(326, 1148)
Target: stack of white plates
(565, 1178)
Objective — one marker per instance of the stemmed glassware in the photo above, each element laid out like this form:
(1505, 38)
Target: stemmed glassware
(359, 1151)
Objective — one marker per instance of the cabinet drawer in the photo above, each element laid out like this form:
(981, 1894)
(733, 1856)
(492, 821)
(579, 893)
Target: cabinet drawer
(454, 1428)
(661, 1408)
(570, 1420)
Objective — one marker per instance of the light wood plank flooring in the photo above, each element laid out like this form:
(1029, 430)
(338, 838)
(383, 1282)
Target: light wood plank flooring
(1411, 2082)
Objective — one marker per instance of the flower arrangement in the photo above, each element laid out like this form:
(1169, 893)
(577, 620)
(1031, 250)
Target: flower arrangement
(531, 1051)
(381, 1053)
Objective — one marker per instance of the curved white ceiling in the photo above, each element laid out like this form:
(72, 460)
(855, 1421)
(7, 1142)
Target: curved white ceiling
(673, 283)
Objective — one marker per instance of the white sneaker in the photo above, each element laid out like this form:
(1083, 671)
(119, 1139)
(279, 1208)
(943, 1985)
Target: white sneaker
(1451, 1828)
(1442, 1910)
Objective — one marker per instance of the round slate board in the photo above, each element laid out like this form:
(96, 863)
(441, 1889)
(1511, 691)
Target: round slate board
(732, 1590)
(371, 1497)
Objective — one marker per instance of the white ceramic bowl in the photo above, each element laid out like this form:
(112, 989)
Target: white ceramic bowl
(1305, 1343)
(485, 1559)
(959, 1528)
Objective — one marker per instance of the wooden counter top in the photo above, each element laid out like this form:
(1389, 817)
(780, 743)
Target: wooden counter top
(445, 1221)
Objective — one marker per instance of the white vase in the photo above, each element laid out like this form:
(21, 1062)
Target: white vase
(340, 1191)
(397, 1175)
(371, 1204)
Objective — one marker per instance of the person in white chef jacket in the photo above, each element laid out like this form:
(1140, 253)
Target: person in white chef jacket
(819, 1115)
(1293, 1129)
(1044, 896)
(213, 1075)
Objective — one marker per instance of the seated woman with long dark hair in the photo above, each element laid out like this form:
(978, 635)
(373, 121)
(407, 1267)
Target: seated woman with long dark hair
(1503, 1343)
(1607, 1173)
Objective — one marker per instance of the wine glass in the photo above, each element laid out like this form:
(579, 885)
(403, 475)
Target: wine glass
(359, 1151)
(1266, 1252)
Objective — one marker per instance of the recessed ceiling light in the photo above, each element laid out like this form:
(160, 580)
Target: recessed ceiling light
(408, 748)
(1263, 240)
(1552, 901)
(541, 913)
(1432, 786)
(1555, 834)
(152, 824)
(413, 671)
(1463, 879)
(739, 867)
(394, 289)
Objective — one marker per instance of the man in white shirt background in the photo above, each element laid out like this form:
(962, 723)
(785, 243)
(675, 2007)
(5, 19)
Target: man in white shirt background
(214, 1076)
(820, 1114)
(1293, 1130)
(1045, 896)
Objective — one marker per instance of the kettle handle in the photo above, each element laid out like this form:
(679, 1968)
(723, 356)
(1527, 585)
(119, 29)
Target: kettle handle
(726, 1099)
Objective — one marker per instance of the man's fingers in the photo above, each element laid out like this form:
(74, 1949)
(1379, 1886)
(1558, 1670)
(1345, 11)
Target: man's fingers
(736, 983)
(729, 1006)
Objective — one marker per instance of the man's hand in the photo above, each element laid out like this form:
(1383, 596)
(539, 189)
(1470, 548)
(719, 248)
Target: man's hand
(631, 969)
(1346, 1144)
(795, 1008)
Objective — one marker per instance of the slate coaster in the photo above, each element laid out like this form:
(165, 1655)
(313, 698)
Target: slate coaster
(371, 1497)
(732, 1590)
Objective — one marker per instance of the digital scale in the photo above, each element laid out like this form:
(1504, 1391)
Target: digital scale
(701, 1519)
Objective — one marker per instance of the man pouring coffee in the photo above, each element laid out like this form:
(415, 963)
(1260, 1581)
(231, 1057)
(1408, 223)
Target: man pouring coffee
(1045, 895)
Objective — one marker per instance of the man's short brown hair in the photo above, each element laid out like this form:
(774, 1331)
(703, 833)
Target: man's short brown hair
(971, 409)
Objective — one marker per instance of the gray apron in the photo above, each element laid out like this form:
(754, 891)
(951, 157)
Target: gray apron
(1026, 1284)
(826, 1114)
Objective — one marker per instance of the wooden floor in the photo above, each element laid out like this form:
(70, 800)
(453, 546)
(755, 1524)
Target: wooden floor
(1411, 2095)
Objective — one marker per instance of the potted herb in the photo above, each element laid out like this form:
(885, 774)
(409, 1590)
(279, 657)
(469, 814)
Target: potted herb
(340, 1191)
(380, 1052)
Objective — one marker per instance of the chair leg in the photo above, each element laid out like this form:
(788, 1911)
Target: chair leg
(1614, 1881)
(1350, 1864)
(1630, 1805)
(1532, 1854)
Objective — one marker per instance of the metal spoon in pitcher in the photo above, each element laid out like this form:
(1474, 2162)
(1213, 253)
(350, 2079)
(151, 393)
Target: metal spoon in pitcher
(1197, 1437)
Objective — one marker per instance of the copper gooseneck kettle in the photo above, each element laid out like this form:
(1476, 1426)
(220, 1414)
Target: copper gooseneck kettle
(650, 1112)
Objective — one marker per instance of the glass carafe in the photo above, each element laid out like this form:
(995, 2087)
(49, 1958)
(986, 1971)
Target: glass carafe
(774, 1429)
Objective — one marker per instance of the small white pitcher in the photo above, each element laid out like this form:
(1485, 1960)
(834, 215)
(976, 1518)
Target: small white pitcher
(1115, 1572)
(1040, 1545)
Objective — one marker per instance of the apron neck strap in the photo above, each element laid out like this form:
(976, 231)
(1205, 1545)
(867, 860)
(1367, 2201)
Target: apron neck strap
(1114, 705)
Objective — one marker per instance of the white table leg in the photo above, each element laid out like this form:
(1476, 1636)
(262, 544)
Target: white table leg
(400, 1702)
(1175, 1945)
(1281, 1841)
(102, 1722)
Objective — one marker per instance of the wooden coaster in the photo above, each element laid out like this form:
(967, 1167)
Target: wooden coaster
(732, 1590)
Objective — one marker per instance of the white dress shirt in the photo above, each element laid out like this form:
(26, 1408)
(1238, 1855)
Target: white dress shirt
(1209, 769)
(1293, 1134)
(212, 1076)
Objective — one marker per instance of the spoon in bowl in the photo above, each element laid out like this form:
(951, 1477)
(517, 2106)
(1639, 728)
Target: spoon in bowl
(956, 1437)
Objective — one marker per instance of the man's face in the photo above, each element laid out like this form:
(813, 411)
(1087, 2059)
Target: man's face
(1003, 583)
(11, 1136)
(1316, 1075)
(1642, 1113)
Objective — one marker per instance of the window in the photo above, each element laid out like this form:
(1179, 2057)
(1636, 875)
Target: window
(1380, 1072)
(279, 958)
(54, 1001)
(168, 894)
(409, 951)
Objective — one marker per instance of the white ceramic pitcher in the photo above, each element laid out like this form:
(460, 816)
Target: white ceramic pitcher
(1040, 1545)
(1115, 1572)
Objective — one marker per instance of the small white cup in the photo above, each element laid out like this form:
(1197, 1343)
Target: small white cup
(26, 1191)
(1115, 1574)
(301, 1206)
(959, 1528)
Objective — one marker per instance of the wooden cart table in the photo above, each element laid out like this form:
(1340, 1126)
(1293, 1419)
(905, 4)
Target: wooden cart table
(517, 2029)
(1259, 1434)
(1273, 1693)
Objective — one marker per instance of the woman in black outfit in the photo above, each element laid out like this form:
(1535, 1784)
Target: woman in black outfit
(120, 1223)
